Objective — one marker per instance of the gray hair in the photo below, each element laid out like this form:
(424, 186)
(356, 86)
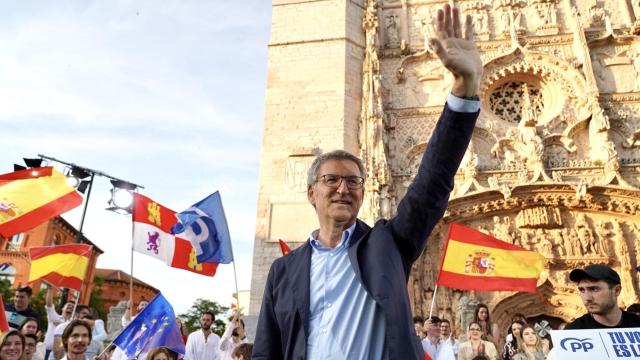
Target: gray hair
(332, 155)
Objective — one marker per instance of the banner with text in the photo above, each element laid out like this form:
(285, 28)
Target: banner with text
(596, 344)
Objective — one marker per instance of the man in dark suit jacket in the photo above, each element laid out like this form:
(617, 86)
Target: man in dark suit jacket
(343, 294)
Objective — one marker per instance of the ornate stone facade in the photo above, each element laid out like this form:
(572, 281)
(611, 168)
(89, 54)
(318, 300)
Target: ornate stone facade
(554, 163)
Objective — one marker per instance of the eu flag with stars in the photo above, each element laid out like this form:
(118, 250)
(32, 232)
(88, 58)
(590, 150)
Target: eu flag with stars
(153, 327)
(205, 226)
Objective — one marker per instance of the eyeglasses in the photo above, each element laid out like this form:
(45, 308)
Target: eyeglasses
(334, 181)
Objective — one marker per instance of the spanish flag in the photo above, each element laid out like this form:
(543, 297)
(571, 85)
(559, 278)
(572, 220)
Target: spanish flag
(32, 196)
(61, 266)
(475, 261)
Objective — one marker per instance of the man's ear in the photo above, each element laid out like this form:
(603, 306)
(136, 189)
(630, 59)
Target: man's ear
(310, 195)
(617, 289)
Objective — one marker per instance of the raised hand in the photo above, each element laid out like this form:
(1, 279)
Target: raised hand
(457, 53)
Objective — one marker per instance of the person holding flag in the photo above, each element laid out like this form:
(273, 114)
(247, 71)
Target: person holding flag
(343, 294)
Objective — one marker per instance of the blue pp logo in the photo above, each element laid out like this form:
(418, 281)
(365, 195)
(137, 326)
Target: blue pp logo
(575, 345)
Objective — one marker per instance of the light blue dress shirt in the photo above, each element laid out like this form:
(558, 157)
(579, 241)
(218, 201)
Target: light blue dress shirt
(344, 321)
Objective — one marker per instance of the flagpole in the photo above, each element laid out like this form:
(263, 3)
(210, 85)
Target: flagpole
(235, 275)
(131, 271)
(433, 300)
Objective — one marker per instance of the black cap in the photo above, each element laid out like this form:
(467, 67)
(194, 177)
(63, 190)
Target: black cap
(595, 272)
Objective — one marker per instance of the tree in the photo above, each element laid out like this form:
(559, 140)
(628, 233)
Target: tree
(191, 319)
(95, 299)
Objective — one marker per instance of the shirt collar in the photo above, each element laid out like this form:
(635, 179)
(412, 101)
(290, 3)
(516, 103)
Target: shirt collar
(346, 237)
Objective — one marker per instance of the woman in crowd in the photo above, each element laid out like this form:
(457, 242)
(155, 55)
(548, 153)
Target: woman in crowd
(511, 346)
(183, 330)
(530, 348)
(490, 331)
(475, 346)
(159, 354)
(31, 326)
(11, 345)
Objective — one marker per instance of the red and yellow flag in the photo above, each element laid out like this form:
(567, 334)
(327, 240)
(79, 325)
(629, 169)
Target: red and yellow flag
(61, 266)
(476, 261)
(284, 247)
(30, 197)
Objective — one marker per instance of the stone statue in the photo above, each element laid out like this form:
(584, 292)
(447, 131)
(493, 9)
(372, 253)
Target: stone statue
(569, 248)
(502, 229)
(574, 238)
(464, 315)
(603, 237)
(587, 241)
(392, 31)
(545, 246)
(114, 319)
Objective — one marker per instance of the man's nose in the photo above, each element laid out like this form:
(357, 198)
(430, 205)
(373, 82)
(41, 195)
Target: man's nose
(343, 187)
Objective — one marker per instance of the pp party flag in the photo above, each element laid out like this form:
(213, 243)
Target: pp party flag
(205, 226)
(4, 324)
(152, 236)
(61, 266)
(473, 260)
(32, 196)
(284, 247)
(155, 326)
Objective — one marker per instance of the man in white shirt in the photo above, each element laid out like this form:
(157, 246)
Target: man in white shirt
(233, 336)
(447, 336)
(203, 344)
(54, 319)
(433, 345)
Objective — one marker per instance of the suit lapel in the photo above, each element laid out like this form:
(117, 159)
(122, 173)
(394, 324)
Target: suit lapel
(356, 241)
(299, 273)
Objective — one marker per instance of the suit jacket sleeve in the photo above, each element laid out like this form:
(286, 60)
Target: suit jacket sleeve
(268, 343)
(427, 197)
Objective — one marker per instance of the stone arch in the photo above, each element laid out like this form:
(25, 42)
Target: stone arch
(561, 84)
(549, 300)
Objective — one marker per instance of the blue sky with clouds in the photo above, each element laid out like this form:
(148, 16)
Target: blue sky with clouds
(167, 94)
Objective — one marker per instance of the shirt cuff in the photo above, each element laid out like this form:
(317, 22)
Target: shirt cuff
(458, 104)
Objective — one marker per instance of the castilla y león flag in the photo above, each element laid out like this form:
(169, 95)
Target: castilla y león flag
(62, 266)
(152, 236)
(473, 260)
(32, 196)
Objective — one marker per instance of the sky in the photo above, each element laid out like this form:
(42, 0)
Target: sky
(165, 94)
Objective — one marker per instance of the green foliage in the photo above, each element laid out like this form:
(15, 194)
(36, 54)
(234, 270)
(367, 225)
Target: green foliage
(5, 290)
(37, 304)
(191, 319)
(95, 299)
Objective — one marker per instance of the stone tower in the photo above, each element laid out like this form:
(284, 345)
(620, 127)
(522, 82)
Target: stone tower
(554, 163)
(312, 101)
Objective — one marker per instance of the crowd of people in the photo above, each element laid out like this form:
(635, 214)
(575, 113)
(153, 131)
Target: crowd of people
(77, 333)
(599, 287)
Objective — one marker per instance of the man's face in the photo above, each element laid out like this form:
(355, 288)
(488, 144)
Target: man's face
(432, 329)
(68, 308)
(445, 329)
(597, 297)
(29, 347)
(336, 204)
(239, 330)
(82, 313)
(78, 340)
(205, 321)
(21, 300)
(142, 304)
